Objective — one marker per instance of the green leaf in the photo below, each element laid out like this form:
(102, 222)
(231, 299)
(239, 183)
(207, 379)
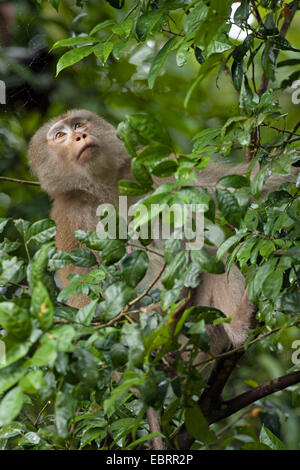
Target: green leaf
(262, 272)
(86, 368)
(268, 438)
(255, 446)
(16, 349)
(36, 271)
(272, 285)
(129, 136)
(67, 292)
(234, 181)
(3, 223)
(102, 25)
(13, 429)
(103, 50)
(11, 405)
(172, 246)
(229, 206)
(291, 302)
(169, 296)
(159, 61)
(29, 439)
(134, 267)
(83, 258)
(242, 12)
(266, 247)
(10, 375)
(175, 269)
(143, 439)
(131, 188)
(165, 169)
(61, 338)
(183, 53)
(147, 22)
(154, 153)
(229, 243)
(258, 180)
(288, 63)
(149, 128)
(72, 57)
(86, 314)
(15, 320)
(195, 17)
(44, 355)
(282, 44)
(248, 99)
(123, 29)
(268, 60)
(74, 42)
(65, 407)
(141, 173)
(33, 382)
(12, 270)
(41, 306)
(41, 231)
(119, 354)
(217, 47)
(116, 297)
(197, 425)
(237, 72)
(206, 262)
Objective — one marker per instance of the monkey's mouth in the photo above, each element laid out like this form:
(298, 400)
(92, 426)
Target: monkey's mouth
(86, 147)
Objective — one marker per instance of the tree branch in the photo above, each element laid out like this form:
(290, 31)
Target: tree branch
(241, 401)
(13, 180)
(211, 398)
(230, 407)
(154, 425)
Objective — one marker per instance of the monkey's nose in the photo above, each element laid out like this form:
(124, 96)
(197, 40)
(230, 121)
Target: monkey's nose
(83, 136)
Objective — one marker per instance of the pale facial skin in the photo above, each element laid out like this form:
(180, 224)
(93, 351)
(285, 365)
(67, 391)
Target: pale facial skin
(72, 138)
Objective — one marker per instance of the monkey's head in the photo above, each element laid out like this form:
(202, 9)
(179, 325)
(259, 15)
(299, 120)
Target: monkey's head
(74, 151)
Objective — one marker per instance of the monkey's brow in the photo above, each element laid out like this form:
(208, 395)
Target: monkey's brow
(58, 125)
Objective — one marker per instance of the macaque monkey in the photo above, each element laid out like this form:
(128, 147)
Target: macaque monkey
(79, 160)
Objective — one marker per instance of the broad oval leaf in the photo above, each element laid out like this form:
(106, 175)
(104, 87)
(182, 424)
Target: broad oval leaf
(72, 57)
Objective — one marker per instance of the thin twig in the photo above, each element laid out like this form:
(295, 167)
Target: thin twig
(14, 180)
(233, 422)
(134, 301)
(256, 13)
(241, 348)
(285, 131)
(146, 249)
(41, 412)
(154, 425)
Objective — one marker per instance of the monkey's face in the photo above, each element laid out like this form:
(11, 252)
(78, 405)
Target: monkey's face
(74, 151)
(71, 140)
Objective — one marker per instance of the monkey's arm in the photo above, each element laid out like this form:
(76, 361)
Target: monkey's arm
(67, 222)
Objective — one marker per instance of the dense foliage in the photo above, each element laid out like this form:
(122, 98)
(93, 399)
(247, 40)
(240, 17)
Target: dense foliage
(153, 67)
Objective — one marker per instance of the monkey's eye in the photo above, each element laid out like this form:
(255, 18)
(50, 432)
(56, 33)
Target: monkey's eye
(59, 134)
(78, 125)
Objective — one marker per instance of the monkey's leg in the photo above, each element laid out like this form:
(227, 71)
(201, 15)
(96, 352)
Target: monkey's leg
(228, 294)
